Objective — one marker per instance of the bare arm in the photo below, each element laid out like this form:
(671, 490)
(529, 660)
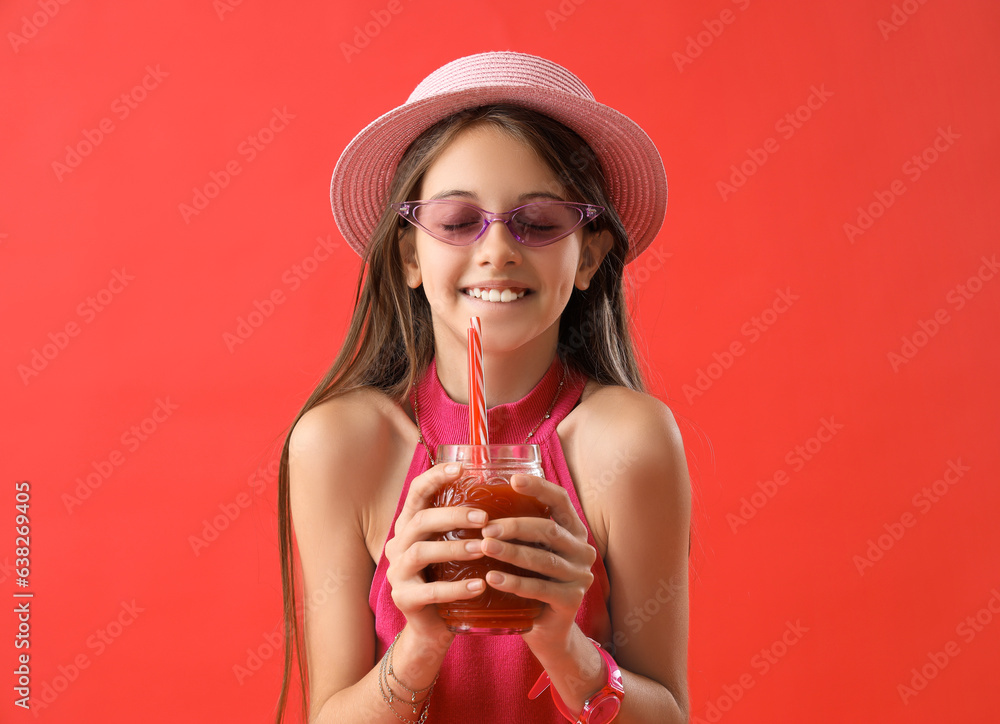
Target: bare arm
(633, 460)
(337, 451)
(649, 514)
(647, 509)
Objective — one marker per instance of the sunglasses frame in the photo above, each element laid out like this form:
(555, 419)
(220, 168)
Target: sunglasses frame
(407, 210)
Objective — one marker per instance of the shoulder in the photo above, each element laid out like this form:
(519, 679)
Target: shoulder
(614, 417)
(345, 439)
(631, 441)
(364, 415)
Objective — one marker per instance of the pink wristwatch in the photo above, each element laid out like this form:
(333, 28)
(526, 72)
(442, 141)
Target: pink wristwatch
(602, 707)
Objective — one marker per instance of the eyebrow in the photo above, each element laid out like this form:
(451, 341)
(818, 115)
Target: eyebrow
(451, 193)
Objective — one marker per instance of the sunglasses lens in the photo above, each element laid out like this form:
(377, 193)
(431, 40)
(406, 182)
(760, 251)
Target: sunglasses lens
(538, 224)
(458, 223)
(453, 223)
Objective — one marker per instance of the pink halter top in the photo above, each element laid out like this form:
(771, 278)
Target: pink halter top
(486, 679)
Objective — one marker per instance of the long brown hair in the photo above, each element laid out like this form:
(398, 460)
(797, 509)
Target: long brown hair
(390, 342)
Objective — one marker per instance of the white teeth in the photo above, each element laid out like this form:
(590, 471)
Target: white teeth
(495, 295)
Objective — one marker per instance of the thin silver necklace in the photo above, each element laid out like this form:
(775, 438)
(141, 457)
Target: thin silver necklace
(548, 414)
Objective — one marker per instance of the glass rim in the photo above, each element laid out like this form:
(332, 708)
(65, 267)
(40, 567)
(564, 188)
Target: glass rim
(519, 453)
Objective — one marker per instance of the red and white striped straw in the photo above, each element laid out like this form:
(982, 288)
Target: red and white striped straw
(478, 431)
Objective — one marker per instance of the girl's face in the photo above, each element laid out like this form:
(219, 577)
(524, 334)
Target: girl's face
(488, 168)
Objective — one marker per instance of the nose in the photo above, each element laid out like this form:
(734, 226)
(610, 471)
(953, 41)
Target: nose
(497, 246)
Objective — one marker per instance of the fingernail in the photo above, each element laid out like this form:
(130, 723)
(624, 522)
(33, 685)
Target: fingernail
(491, 531)
(473, 546)
(494, 577)
(452, 468)
(474, 585)
(477, 516)
(518, 482)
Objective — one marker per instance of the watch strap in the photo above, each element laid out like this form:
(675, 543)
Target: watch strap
(613, 686)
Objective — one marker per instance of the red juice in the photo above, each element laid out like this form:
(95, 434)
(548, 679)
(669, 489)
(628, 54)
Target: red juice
(485, 484)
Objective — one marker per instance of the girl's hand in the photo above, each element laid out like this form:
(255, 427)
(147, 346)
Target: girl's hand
(412, 548)
(565, 561)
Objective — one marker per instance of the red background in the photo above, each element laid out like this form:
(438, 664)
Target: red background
(196, 646)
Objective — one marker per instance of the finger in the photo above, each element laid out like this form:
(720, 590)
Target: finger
(423, 553)
(561, 595)
(416, 596)
(424, 487)
(554, 496)
(431, 522)
(541, 531)
(543, 562)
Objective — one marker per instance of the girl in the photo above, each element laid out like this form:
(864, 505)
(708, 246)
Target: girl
(579, 191)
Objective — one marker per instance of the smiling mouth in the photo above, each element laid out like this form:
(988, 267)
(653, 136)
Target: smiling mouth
(508, 294)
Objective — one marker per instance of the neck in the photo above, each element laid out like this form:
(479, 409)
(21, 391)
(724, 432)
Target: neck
(510, 374)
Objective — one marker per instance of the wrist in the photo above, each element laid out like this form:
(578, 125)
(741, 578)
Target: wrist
(600, 707)
(576, 669)
(418, 656)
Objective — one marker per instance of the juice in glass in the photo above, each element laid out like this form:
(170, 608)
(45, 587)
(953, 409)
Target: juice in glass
(485, 484)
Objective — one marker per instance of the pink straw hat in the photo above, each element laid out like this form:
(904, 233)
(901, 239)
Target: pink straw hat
(633, 170)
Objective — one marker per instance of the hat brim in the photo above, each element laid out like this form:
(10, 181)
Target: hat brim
(633, 170)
